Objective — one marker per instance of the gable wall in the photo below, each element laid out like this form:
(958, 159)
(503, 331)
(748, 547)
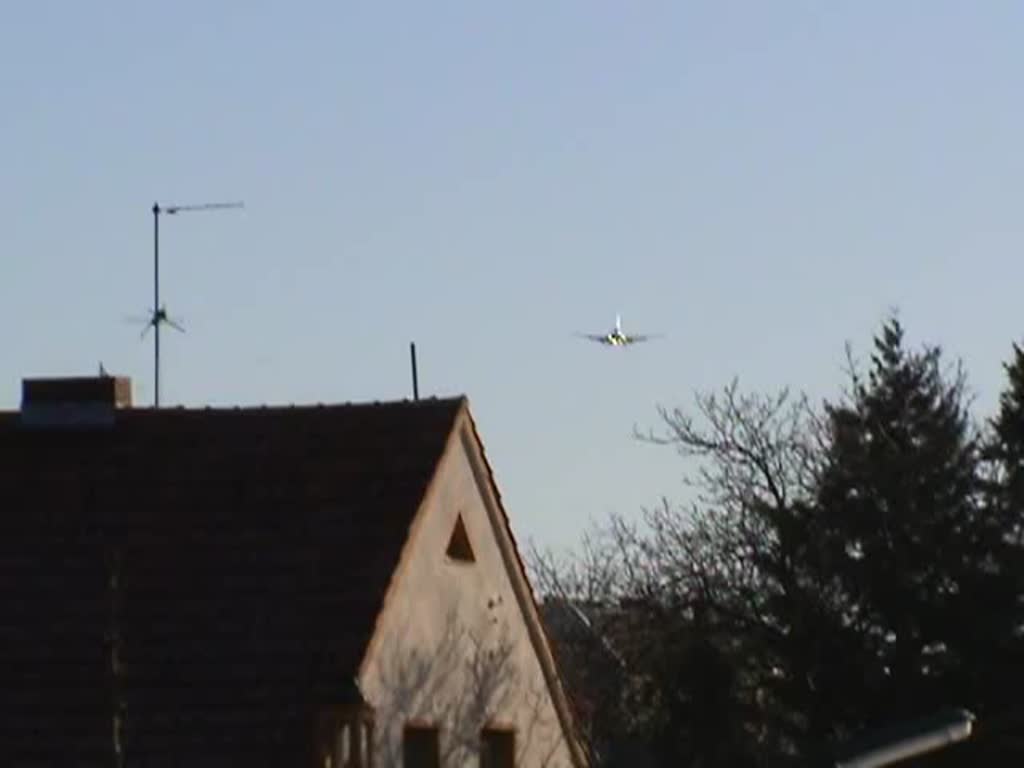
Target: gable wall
(451, 647)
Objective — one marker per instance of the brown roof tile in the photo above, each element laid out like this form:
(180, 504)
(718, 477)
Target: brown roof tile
(251, 548)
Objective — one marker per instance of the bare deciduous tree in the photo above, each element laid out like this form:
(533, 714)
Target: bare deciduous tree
(710, 577)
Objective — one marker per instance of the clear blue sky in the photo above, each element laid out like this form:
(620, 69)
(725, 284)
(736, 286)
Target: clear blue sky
(761, 181)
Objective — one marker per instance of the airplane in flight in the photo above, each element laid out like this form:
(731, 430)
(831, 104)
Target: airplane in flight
(616, 337)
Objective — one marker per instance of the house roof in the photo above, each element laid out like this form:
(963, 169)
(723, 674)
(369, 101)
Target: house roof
(211, 577)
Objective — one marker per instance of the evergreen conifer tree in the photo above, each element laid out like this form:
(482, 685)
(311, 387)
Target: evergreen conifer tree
(906, 536)
(998, 653)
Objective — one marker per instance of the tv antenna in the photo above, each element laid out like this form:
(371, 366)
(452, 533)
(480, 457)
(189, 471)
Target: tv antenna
(158, 315)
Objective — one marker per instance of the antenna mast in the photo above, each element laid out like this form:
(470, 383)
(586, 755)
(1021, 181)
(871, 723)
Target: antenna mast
(159, 316)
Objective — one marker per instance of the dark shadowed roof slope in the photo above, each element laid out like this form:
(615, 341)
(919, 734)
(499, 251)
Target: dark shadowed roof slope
(210, 576)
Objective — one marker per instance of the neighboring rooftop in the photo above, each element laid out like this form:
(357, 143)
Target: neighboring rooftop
(167, 563)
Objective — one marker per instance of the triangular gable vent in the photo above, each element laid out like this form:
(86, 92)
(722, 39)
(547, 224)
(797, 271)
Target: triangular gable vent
(459, 547)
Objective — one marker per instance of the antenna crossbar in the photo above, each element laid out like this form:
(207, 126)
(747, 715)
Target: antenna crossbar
(172, 209)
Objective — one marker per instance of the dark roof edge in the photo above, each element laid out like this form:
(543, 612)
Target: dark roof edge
(542, 645)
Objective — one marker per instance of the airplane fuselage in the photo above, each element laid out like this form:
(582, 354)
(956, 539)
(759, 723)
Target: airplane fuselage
(615, 337)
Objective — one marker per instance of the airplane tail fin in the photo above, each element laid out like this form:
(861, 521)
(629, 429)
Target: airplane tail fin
(618, 322)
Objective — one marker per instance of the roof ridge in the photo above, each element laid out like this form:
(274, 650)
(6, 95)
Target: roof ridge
(206, 408)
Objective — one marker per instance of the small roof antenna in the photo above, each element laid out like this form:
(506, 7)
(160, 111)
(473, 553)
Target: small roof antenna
(415, 379)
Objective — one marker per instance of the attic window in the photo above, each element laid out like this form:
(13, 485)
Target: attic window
(459, 547)
(497, 748)
(421, 747)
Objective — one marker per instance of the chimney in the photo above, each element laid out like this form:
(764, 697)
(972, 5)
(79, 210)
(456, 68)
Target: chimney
(69, 402)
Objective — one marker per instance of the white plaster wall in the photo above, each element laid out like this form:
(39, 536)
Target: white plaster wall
(452, 648)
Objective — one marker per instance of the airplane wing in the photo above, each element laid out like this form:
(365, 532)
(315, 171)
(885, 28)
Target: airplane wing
(639, 337)
(599, 338)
